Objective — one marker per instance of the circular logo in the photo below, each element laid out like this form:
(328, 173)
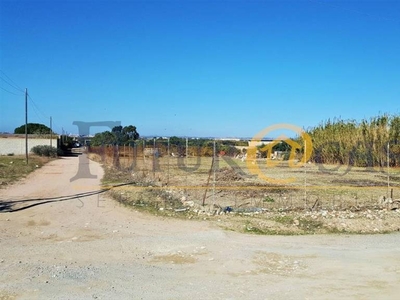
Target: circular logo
(295, 146)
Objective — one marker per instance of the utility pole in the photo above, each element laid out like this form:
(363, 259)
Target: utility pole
(305, 173)
(26, 125)
(388, 169)
(168, 163)
(154, 158)
(388, 160)
(51, 132)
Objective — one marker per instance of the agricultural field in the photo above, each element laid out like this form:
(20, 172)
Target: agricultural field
(258, 195)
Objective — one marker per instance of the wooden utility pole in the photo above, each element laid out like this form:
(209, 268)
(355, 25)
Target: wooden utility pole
(26, 125)
(51, 132)
(154, 158)
(168, 163)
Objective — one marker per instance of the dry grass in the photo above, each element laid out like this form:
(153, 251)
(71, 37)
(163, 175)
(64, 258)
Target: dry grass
(294, 201)
(13, 168)
(237, 183)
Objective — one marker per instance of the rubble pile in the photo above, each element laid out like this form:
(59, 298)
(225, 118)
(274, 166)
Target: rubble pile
(228, 174)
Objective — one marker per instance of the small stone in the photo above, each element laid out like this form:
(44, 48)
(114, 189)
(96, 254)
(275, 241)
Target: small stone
(188, 203)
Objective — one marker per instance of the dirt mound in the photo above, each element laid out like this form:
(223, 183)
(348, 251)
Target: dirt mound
(228, 174)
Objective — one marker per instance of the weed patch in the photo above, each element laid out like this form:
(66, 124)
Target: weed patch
(13, 168)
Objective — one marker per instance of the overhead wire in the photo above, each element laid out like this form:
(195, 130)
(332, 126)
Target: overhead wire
(35, 107)
(38, 110)
(12, 84)
(8, 91)
(55, 125)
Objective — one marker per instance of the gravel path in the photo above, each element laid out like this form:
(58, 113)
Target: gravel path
(92, 248)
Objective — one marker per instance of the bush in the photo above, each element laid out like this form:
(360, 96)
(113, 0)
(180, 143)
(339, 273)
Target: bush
(44, 150)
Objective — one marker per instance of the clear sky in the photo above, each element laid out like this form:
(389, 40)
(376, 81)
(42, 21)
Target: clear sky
(198, 68)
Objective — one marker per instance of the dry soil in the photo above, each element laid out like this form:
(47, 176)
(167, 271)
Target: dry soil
(93, 248)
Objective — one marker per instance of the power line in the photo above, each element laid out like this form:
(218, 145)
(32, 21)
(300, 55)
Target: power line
(55, 125)
(16, 86)
(37, 108)
(8, 91)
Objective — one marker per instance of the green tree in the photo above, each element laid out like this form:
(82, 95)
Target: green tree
(33, 128)
(117, 129)
(131, 132)
(118, 136)
(174, 140)
(103, 138)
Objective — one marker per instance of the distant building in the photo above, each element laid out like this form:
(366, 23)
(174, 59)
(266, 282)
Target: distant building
(256, 143)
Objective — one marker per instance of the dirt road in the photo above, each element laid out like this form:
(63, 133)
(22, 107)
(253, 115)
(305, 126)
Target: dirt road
(92, 248)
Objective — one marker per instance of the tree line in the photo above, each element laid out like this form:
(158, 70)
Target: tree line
(363, 144)
(119, 135)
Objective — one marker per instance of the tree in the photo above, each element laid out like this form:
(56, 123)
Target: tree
(131, 132)
(118, 136)
(33, 128)
(117, 129)
(104, 138)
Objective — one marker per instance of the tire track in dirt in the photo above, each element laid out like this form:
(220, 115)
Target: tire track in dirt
(93, 248)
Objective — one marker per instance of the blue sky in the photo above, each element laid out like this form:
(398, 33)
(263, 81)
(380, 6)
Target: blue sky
(198, 68)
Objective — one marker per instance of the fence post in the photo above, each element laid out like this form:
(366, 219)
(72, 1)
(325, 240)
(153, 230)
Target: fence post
(154, 158)
(214, 164)
(305, 174)
(168, 163)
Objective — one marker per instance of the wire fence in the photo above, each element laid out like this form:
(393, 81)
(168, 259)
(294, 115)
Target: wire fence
(217, 178)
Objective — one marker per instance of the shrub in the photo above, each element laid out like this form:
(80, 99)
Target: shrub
(44, 150)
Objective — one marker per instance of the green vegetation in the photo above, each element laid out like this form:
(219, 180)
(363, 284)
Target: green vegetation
(33, 128)
(203, 146)
(13, 168)
(118, 136)
(269, 199)
(171, 185)
(45, 150)
(281, 146)
(361, 144)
